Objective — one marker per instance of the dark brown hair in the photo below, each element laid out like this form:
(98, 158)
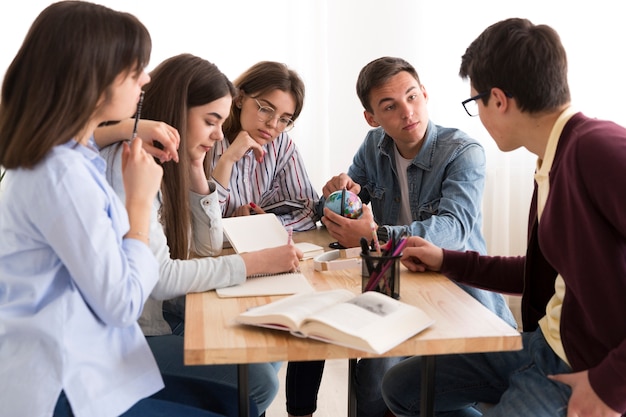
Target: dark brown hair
(71, 55)
(526, 61)
(377, 73)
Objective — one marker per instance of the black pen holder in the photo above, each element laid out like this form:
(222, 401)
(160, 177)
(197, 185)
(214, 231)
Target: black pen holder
(381, 273)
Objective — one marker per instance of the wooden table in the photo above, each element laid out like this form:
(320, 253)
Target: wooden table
(462, 325)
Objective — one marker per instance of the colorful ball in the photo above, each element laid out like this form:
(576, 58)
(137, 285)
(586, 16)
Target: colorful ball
(352, 205)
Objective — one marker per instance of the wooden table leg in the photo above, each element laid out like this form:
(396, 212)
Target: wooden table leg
(242, 383)
(427, 408)
(351, 388)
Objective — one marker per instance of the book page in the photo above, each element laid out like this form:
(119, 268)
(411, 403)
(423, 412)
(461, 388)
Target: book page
(252, 233)
(277, 284)
(291, 311)
(371, 321)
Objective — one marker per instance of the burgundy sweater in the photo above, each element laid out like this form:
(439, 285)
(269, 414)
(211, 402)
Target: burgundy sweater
(582, 236)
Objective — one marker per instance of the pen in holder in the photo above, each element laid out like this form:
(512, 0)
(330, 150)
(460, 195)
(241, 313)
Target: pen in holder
(381, 273)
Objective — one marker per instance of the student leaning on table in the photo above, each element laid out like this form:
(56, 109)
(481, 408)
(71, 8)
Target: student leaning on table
(421, 179)
(75, 266)
(258, 163)
(573, 277)
(191, 97)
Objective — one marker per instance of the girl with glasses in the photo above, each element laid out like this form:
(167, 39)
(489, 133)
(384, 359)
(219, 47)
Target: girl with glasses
(259, 164)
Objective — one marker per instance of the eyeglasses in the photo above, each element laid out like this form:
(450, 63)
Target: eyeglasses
(471, 106)
(266, 114)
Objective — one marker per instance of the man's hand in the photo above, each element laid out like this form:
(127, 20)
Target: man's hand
(340, 182)
(584, 401)
(347, 231)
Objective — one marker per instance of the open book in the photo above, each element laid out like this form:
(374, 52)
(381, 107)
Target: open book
(371, 321)
(262, 231)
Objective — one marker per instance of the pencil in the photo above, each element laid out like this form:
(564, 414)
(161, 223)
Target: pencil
(137, 115)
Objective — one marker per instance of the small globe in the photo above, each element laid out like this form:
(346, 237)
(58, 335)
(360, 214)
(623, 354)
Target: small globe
(352, 205)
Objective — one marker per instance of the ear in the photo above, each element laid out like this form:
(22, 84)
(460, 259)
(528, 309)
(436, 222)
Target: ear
(239, 99)
(500, 99)
(369, 118)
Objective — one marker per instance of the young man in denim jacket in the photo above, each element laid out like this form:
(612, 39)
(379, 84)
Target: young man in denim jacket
(421, 180)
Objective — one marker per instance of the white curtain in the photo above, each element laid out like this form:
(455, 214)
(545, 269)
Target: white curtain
(329, 41)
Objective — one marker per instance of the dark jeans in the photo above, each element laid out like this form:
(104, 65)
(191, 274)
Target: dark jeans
(181, 397)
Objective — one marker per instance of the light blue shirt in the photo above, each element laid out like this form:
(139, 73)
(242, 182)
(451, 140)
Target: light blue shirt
(71, 291)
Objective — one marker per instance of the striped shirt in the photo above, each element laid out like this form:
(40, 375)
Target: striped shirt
(280, 176)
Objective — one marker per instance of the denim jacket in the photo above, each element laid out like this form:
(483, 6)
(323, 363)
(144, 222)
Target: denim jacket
(446, 181)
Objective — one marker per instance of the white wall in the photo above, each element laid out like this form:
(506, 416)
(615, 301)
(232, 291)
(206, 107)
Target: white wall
(328, 41)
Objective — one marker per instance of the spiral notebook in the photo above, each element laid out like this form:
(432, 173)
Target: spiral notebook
(277, 284)
(262, 231)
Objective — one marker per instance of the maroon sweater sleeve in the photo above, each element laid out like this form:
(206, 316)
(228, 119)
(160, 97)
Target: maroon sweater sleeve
(496, 273)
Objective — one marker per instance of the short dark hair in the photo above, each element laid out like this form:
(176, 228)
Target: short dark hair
(377, 73)
(526, 61)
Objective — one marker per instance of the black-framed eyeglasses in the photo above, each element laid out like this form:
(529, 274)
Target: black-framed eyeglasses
(266, 114)
(471, 106)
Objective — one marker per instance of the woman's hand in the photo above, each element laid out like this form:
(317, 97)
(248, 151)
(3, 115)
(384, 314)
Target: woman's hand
(141, 174)
(243, 144)
(273, 260)
(159, 139)
(247, 210)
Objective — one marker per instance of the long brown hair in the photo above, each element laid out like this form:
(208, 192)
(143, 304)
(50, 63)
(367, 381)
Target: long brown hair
(71, 55)
(178, 84)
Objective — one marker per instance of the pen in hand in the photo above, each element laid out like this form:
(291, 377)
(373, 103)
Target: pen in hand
(290, 240)
(137, 115)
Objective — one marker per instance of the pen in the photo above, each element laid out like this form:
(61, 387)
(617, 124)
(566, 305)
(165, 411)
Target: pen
(137, 115)
(375, 238)
(366, 255)
(290, 239)
(343, 201)
(372, 283)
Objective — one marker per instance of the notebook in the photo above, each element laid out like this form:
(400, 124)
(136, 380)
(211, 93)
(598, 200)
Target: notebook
(252, 233)
(262, 231)
(277, 284)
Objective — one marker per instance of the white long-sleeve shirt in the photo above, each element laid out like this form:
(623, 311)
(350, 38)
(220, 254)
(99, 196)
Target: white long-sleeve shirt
(179, 277)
